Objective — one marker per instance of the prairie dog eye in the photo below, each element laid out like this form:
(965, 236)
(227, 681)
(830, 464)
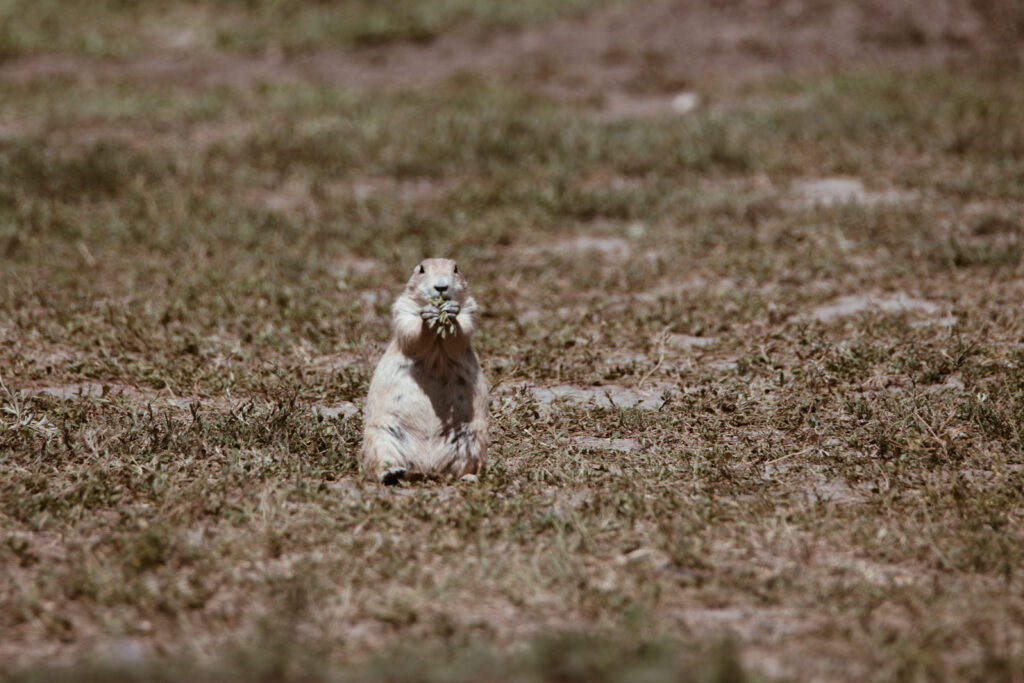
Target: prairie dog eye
(421, 269)
(456, 269)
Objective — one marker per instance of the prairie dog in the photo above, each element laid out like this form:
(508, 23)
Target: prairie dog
(426, 411)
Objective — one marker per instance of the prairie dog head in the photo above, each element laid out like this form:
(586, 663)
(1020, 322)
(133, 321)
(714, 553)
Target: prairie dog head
(437, 278)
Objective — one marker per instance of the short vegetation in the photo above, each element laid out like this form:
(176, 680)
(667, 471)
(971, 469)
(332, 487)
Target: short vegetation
(757, 372)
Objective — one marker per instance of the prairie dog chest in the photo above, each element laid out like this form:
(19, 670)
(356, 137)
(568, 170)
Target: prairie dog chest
(421, 392)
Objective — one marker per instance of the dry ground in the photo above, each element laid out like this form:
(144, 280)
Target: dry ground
(751, 274)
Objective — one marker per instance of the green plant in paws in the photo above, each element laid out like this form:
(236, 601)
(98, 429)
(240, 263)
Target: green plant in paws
(443, 324)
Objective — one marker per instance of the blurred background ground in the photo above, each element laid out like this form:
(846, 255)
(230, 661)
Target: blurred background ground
(751, 278)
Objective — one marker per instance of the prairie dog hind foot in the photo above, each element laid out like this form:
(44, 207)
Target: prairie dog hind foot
(393, 475)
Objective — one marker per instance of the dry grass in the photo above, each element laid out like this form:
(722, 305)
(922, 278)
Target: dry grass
(739, 424)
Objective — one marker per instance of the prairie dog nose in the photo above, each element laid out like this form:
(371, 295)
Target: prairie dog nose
(441, 285)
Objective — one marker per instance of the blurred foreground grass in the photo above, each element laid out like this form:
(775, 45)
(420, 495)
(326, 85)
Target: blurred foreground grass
(569, 659)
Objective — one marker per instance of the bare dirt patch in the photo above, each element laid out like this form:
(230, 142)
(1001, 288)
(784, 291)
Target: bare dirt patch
(621, 105)
(855, 304)
(76, 391)
(832, 191)
(653, 396)
(688, 341)
(601, 444)
(606, 248)
(335, 412)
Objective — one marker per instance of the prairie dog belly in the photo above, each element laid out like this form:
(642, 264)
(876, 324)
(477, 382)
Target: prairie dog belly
(427, 416)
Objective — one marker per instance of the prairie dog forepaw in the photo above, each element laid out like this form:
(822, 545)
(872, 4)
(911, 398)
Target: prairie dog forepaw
(392, 476)
(429, 313)
(451, 307)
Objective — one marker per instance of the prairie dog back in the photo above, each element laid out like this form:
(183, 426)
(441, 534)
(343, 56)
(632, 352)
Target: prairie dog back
(426, 410)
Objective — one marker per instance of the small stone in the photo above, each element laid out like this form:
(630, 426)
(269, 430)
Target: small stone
(685, 102)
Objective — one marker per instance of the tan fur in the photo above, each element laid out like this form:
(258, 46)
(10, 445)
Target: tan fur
(426, 411)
